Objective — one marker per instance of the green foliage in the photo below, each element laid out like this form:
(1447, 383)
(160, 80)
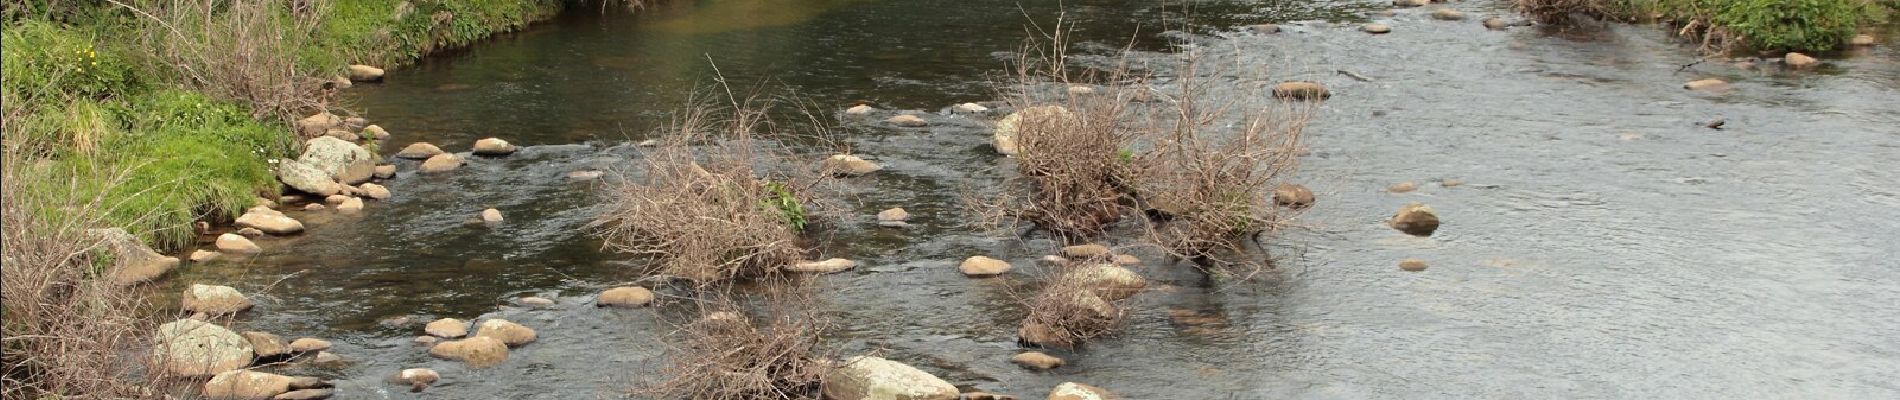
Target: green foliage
(1793, 24)
(392, 33)
(42, 60)
(788, 206)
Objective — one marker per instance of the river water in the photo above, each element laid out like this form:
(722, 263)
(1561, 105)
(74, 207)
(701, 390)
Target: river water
(1603, 245)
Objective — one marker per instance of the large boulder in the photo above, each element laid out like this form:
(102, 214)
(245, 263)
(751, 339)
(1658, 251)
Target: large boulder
(190, 347)
(271, 222)
(333, 156)
(1415, 219)
(365, 73)
(1008, 130)
(478, 352)
(982, 266)
(1077, 391)
(307, 177)
(625, 296)
(357, 172)
(441, 163)
(447, 327)
(238, 244)
(418, 151)
(508, 332)
(246, 385)
(493, 147)
(133, 262)
(214, 299)
(874, 378)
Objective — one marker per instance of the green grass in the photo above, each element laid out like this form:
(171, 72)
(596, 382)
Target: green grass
(1762, 25)
(381, 32)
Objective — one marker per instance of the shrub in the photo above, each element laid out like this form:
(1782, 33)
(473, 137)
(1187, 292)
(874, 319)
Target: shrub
(1067, 311)
(1723, 25)
(731, 350)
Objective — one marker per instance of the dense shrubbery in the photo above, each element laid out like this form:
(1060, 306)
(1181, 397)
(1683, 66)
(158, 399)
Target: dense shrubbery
(1733, 24)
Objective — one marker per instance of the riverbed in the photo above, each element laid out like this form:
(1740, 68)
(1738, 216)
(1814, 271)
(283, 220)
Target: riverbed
(1603, 242)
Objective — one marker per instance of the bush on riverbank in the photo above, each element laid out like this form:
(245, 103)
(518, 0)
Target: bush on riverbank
(1723, 25)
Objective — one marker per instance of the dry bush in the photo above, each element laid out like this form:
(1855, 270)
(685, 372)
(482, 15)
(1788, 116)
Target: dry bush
(68, 332)
(1555, 11)
(1067, 311)
(714, 202)
(733, 349)
(244, 50)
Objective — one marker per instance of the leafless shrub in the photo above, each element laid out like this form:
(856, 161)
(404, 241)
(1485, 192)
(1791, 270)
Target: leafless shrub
(765, 348)
(68, 332)
(1068, 310)
(1554, 11)
(712, 202)
(244, 50)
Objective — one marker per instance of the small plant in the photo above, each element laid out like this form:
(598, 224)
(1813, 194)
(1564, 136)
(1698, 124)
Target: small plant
(765, 349)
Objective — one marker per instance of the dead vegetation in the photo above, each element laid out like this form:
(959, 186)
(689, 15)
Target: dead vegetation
(764, 346)
(1067, 311)
(712, 201)
(68, 332)
(1556, 11)
(245, 50)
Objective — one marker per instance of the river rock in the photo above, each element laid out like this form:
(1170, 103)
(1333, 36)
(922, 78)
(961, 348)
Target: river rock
(1265, 28)
(969, 108)
(246, 385)
(250, 232)
(491, 216)
(358, 172)
(308, 382)
(478, 352)
(306, 394)
(350, 205)
(908, 121)
(190, 347)
(1300, 90)
(981, 266)
(264, 344)
(508, 332)
(272, 224)
(417, 378)
(1086, 251)
(1005, 139)
(326, 358)
(441, 163)
(1447, 14)
(202, 255)
(374, 191)
(874, 378)
(375, 132)
(1292, 196)
(1411, 3)
(238, 244)
(1376, 28)
(859, 110)
(586, 175)
(823, 267)
(493, 147)
(1036, 360)
(418, 151)
(336, 199)
(1415, 219)
(625, 296)
(1402, 187)
(1495, 23)
(343, 135)
(316, 124)
(1077, 391)
(1706, 84)
(306, 345)
(333, 156)
(308, 178)
(214, 300)
(1124, 259)
(447, 327)
(849, 165)
(425, 340)
(1799, 60)
(893, 215)
(314, 207)
(365, 73)
(1112, 282)
(132, 261)
(1412, 265)
(536, 301)
(385, 171)
(1862, 40)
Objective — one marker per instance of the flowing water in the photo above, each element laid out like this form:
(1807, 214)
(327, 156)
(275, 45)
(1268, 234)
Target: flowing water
(1604, 245)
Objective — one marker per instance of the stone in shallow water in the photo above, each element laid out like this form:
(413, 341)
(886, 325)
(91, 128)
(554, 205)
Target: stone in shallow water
(493, 147)
(1376, 28)
(1036, 360)
(625, 296)
(982, 266)
(867, 377)
(419, 151)
(823, 267)
(1415, 219)
(447, 327)
(510, 333)
(1077, 391)
(305, 345)
(214, 300)
(190, 347)
(478, 352)
(908, 121)
(1412, 265)
(244, 385)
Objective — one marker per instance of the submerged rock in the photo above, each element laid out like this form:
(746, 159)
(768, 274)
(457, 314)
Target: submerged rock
(1036, 360)
(491, 216)
(202, 255)
(823, 267)
(908, 121)
(365, 73)
(190, 347)
(419, 151)
(1412, 265)
(447, 327)
(508, 332)
(969, 108)
(533, 301)
(849, 165)
(1706, 84)
(859, 110)
(235, 243)
(246, 385)
(1077, 391)
(867, 377)
(1447, 14)
(441, 163)
(624, 296)
(1799, 60)
(1300, 90)
(478, 352)
(1495, 23)
(493, 147)
(586, 175)
(1402, 187)
(1292, 196)
(214, 299)
(1411, 3)
(981, 266)
(1415, 219)
(1376, 28)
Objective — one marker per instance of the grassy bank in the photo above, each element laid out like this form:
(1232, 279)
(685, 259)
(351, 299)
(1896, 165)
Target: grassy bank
(1731, 25)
